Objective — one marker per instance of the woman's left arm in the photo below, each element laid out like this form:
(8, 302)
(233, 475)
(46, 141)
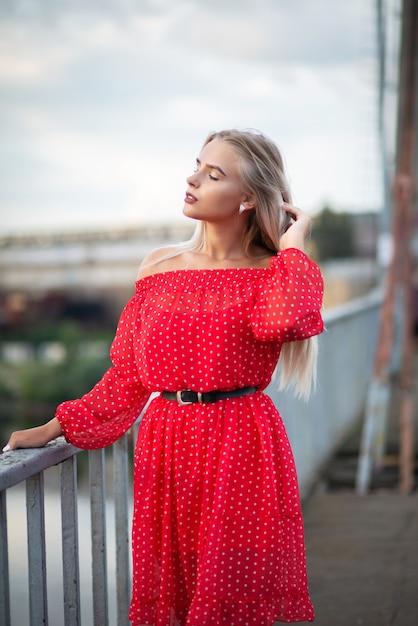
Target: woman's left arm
(288, 307)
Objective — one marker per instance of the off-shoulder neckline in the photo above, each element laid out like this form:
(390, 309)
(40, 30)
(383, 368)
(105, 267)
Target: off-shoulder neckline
(226, 270)
(207, 270)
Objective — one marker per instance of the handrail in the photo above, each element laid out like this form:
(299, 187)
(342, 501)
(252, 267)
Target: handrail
(28, 465)
(19, 465)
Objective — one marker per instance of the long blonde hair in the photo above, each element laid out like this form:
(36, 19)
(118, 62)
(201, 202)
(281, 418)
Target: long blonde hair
(262, 174)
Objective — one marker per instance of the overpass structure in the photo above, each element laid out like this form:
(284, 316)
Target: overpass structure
(101, 262)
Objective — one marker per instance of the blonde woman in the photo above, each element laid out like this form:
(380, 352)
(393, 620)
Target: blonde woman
(217, 527)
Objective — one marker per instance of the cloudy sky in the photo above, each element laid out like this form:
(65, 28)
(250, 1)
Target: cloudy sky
(105, 104)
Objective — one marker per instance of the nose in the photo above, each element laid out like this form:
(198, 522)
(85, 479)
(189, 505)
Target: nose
(193, 179)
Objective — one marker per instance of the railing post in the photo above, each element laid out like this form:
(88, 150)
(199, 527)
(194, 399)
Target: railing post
(121, 485)
(70, 546)
(4, 564)
(38, 608)
(98, 537)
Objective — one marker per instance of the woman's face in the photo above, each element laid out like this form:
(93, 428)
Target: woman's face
(214, 190)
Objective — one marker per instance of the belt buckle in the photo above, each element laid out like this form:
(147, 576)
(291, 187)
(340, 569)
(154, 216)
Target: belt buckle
(182, 402)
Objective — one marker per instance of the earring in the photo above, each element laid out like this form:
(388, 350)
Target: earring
(241, 208)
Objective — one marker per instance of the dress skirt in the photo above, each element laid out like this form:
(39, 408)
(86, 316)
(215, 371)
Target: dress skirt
(217, 530)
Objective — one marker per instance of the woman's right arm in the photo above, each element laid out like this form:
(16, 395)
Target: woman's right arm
(34, 437)
(106, 412)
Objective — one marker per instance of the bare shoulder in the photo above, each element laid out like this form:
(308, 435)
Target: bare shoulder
(160, 260)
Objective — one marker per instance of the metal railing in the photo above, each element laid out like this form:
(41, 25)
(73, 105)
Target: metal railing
(28, 466)
(346, 352)
(314, 428)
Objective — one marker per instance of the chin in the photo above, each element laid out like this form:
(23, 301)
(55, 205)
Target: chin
(188, 212)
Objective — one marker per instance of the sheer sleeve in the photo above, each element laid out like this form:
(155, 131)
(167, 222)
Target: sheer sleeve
(288, 307)
(105, 413)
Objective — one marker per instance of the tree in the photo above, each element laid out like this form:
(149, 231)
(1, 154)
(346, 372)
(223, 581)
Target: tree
(333, 235)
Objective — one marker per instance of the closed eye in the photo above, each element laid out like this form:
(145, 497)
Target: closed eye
(211, 176)
(210, 169)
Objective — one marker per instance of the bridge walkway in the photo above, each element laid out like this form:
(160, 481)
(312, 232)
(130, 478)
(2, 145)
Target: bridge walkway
(363, 550)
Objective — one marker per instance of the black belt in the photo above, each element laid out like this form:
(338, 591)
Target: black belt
(187, 396)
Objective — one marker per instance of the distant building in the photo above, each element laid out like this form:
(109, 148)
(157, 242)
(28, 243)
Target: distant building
(88, 275)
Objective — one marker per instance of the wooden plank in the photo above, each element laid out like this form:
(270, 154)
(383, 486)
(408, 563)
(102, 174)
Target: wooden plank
(18, 465)
(98, 538)
(38, 606)
(70, 544)
(121, 487)
(4, 564)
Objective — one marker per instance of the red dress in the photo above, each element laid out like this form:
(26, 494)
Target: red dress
(217, 527)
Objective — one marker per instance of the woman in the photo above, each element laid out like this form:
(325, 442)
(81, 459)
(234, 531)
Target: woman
(217, 527)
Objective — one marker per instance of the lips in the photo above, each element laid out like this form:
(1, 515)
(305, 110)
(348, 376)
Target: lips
(190, 198)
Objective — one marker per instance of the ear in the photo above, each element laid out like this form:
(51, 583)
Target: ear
(248, 202)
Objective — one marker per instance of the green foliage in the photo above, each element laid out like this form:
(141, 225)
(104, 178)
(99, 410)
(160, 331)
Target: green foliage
(333, 235)
(7, 389)
(30, 390)
(67, 332)
(49, 383)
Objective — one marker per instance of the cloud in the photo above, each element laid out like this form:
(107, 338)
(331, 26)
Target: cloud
(275, 32)
(26, 60)
(102, 103)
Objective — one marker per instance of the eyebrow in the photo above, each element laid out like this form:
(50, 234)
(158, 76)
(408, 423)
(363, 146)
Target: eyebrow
(212, 167)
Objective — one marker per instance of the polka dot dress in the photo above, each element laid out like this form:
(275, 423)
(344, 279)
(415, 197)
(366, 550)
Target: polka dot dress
(217, 528)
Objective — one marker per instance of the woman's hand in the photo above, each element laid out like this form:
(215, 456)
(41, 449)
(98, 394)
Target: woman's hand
(299, 229)
(34, 437)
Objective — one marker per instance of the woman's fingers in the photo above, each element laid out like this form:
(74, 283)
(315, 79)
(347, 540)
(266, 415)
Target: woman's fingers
(34, 437)
(298, 230)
